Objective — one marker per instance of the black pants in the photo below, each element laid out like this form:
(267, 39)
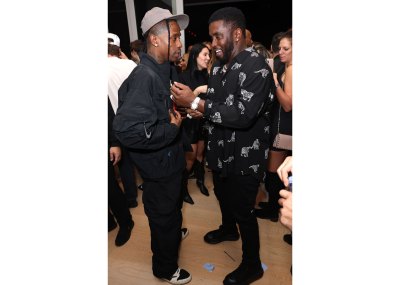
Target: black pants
(274, 184)
(237, 196)
(116, 200)
(161, 200)
(126, 170)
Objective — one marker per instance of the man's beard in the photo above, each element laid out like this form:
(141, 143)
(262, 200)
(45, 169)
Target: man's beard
(227, 52)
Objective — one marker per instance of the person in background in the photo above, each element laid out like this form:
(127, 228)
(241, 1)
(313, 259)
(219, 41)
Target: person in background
(249, 41)
(284, 171)
(147, 124)
(196, 77)
(238, 99)
(181, 63)
(136, 47)
(118, 205)
(118, 70)
(261, 49)
(282, 121)
(279, 66)
(213, 58)
(114, 40)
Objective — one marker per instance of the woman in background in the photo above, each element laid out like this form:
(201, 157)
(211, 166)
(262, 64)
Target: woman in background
(282, 123)
(196, 77)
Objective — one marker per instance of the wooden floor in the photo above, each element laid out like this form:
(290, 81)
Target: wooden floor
(131, 263)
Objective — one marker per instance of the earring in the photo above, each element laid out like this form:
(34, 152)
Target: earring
(156, 45)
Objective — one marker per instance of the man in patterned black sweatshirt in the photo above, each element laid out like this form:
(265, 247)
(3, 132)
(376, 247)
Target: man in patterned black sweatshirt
(237, 106)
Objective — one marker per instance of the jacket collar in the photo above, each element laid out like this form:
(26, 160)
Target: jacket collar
(163, 70)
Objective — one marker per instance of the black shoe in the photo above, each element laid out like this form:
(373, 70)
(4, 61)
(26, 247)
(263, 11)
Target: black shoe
(111, 226)
(220, 235)
(184, 184)
(288, 238)
(202, 187)
(188, 199)
(266, 213)
(244, 275)
(181, 276)
(124, 234)
(140, 187)
(132, 203)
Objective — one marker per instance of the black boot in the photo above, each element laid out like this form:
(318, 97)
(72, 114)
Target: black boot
(185, 192)
(199, 173)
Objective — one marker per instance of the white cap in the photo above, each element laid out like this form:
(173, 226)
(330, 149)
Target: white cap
(115, 39)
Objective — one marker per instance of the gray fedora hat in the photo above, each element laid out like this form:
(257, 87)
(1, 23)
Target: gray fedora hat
(157, 14)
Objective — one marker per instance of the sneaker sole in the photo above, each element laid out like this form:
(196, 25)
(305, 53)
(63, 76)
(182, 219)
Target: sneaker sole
(183, 281)
(184, 235)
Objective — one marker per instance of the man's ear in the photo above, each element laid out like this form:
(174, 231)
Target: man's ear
(237, 34)
(153, 40)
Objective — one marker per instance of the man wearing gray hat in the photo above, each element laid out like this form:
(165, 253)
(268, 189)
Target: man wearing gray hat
(149, 127)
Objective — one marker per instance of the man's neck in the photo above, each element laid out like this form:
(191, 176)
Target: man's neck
(236, 50)
(156, 56)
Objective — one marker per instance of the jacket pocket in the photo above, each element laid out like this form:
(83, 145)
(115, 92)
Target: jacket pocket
(159, 164)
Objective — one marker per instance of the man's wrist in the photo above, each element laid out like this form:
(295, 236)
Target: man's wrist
(195, 103)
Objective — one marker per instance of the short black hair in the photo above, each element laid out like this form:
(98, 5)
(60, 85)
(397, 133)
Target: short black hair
(231, 15)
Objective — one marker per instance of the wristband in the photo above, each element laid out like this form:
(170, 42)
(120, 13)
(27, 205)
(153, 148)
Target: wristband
(195, 103)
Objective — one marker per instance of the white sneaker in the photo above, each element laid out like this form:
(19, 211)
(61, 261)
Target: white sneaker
(185, 233)
(181, 276)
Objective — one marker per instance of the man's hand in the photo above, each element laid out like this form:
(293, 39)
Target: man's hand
(123, 55)
(284, 169)
(286, 210)
(115, 154)
(182, 94)
(175, 118)
(194, 114)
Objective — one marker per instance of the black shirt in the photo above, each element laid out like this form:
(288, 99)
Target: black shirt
(238, 102)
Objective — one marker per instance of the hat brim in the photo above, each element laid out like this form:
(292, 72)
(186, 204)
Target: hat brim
(182, 19)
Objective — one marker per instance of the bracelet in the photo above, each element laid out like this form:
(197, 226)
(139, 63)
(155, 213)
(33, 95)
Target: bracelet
(195, 103)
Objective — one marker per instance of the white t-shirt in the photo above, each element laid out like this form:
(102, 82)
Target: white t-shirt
(118, 70)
